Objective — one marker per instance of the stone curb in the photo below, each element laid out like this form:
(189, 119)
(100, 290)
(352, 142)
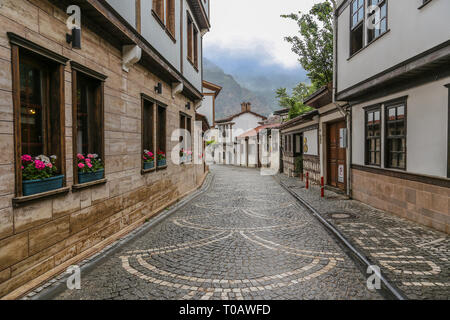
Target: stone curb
(58, 284)
(388, 289)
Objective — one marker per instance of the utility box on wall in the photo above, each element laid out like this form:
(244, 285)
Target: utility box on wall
(343, 138)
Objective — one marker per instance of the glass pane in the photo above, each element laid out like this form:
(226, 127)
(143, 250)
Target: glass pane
(355, 20)
(383, 11)
(370, 117)
(360, 3)
(391, 114)
(400, 112)
(360, 14)
(378, 158)
(372, 157)
(394, 160)
(401, 160)
(376, 130)
(377, 116)
(383, 26)
(378, 144)
(391, 129)
(32, 113)
(355, 6)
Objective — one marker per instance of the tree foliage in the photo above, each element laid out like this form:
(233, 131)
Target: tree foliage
(295, 101)
(314, 46)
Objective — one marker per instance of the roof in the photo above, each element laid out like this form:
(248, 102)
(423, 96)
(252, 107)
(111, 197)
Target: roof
(300, 119)
(230, 118)
(281, 112)
(253, 132)
(204, 119)
(213, 87)
(320, 98)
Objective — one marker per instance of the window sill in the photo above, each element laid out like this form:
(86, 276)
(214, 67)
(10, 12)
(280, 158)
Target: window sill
(19, 201)
(146, 171)
(162, 168)
(158, 19)
(77, 187)
(192, 64)
(424, 4)
(380, 36)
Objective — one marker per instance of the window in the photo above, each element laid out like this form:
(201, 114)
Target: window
(378, 18)
(357, 26)
(186, 124)
(38, 99)
(158, 9)
(170, 17)
(148, 127)
(373, 137)
(161, 129)
(195, 48)
(396, 136)
(190, 45)
(88, 112)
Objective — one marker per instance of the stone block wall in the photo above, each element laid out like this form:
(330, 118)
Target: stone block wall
(41, 236)
(424, 203)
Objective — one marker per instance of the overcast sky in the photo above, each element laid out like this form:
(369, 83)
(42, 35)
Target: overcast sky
(254, 28)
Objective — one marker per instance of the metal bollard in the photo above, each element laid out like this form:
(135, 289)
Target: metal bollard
(307, 180)
(322, 188)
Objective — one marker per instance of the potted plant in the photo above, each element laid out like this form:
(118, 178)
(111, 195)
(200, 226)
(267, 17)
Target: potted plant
(188, 156)
(161, 157)
(90, 168)
(182, 156)
(40, 175)
(149, 160)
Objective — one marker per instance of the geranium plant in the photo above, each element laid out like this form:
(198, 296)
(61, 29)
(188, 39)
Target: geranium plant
(148, 156)
(161, 155)
(89, 163)
(38, 168)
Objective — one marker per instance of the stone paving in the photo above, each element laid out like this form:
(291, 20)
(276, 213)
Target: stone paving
(244, 238)
(413, 257)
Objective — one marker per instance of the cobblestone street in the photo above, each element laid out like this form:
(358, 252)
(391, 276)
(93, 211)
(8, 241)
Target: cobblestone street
(244, 238)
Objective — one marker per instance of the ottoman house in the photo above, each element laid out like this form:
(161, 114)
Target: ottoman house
(87, 114)
(393, 70)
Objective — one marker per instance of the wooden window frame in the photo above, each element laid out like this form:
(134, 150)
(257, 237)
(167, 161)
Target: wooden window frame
(375, 37)
(448, 131)
(387, 107)
(158, 11)
(147, 99)
(372, 109)
(359, 24)
(190, 39)
(195, 45)
(186, 125)
(19, 44)
(162, 106)
(86, 72)
(170, 18)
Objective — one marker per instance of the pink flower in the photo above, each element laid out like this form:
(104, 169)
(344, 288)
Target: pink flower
(89, 165)
(87, 160)
(80, 156)
(81, 165)
(23, 167)
(91, 156)
(49, 165)
(39, 165)
(26, 158)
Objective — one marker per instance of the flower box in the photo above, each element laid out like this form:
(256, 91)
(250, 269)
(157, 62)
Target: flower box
(31, 187)
(149, 165)
(162, 163)
(85, 177)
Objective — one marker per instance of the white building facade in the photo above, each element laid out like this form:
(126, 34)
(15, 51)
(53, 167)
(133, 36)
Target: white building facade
(393, 69)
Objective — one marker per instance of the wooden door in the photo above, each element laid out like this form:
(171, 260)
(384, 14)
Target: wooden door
(336, 157)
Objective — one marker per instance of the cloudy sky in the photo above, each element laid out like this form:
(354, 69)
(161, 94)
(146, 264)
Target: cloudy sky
(252, 30)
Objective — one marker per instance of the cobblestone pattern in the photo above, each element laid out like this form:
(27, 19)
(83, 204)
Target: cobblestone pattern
(246, 238)
(413, 257)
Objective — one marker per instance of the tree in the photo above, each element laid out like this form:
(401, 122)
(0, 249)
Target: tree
(295, 101)
(315, 43)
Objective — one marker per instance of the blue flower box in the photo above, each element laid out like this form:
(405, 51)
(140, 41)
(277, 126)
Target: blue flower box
(149, 165)
(90, 176)
(31, 187)
(162, 163)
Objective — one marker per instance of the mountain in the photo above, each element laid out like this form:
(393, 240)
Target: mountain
(246, 83)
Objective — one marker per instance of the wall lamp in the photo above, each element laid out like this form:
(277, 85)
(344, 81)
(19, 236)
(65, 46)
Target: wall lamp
(74, 38)
(188, 106)
(158, 88)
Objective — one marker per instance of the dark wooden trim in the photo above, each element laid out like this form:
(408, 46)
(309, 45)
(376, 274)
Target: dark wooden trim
(308, 128)
(16, 113)
(77, 187)
(436, 181)
(392, 103)
(448, 132)
(62, 121)
(146, 171)
(372, 108)
(181, 37)
(424, 4)
(17, 40)
(74, 126)
(162, 167)
(20, 201)
(89, 72)
(153, 100)
(138, 16)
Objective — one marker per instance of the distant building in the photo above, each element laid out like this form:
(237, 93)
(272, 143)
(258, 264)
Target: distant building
(230, 128)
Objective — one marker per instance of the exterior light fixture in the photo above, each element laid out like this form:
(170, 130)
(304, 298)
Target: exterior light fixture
(74, 38)
(158, 88)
